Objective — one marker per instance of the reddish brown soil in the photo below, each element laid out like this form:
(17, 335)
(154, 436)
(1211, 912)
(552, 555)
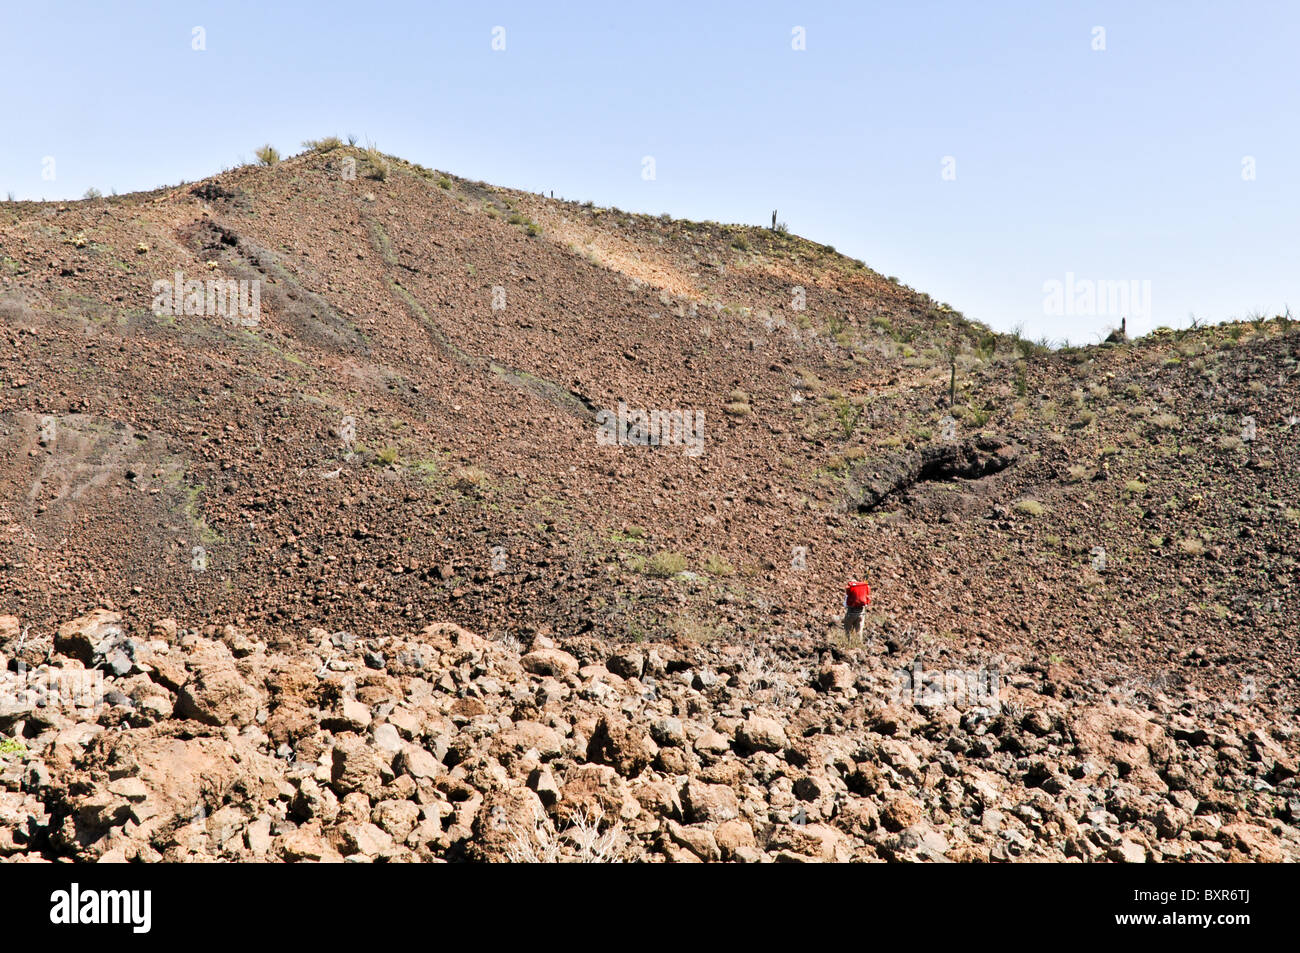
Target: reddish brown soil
(474, 429)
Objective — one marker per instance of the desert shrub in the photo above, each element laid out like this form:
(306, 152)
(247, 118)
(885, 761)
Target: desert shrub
(378, 164)
(664, 564)
(1165, 421)
(807, 380)
(468, 478)
(1030, 508)
(848, 416)
(327, 144)
(717, 566)
(267, 154)
(588, 839)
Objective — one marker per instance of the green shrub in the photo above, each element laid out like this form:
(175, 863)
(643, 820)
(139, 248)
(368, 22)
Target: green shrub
(664, 564)
(467, 478)
(848, 416)
(717, 566)
(378, 164)
(267, 154)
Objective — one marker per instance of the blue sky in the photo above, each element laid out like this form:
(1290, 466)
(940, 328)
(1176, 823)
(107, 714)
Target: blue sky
(1115, 164)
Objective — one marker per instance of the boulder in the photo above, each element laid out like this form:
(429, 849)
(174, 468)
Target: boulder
(216, 693)
(553, 662)
(623, 746)
(705, 803)
(81, 637)
(760, 734)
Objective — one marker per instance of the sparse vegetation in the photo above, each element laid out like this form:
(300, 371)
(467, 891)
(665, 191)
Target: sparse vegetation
(267, 154)
(327, 144)
(717, 566)
(468, 478)
(848, 415)
(665, 564)
(377, 163)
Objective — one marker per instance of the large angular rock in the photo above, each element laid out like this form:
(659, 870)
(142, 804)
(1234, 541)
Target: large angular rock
(161, 780)
(1127, 739)
(356, 766)
(595, 792)
(307, 845)
(625, 747)
(552, 662)
(216, 694)
(510, 826)
(531, 735)
(418, 763)
(805, 842)
(900, 812)
(708, 803)
(81, 637)
(760, 734)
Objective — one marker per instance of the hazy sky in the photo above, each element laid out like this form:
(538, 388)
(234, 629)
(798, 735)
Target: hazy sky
(977, 151)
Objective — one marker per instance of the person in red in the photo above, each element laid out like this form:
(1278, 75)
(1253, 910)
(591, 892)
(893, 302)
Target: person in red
(857, 596)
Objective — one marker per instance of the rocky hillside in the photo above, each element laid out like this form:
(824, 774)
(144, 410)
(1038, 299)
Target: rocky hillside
(396, 412)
